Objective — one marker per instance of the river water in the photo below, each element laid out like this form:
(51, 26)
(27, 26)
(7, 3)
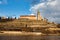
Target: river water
(29, 37)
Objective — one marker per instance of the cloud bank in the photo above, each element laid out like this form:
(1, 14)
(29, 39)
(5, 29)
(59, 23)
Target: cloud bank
(49, 9)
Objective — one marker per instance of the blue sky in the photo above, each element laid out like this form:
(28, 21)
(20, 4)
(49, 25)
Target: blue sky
(14, 7)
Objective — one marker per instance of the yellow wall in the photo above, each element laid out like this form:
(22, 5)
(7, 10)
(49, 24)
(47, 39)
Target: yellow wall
(28, 17)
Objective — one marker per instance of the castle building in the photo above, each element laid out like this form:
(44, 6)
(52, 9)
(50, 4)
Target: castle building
(32, 17)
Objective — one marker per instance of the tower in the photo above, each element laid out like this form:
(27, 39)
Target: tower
(38, 16)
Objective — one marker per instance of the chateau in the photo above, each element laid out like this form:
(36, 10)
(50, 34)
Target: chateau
(29, 20)
(32, 17)
(36, 21)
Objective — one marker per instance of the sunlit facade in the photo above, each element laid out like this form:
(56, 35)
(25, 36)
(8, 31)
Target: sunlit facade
(32, 17)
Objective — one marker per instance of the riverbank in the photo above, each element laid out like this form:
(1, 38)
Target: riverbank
(17, 33)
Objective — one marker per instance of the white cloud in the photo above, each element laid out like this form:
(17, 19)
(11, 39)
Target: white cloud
(52, 3)
(49, 9)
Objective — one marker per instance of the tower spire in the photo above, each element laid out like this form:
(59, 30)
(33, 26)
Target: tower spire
(38, 15)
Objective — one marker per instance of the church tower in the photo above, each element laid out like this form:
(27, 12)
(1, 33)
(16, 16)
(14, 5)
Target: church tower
(38, 16)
